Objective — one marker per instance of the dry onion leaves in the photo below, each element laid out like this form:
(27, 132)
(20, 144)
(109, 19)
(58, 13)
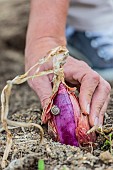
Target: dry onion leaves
(66, 123)
(5, 96)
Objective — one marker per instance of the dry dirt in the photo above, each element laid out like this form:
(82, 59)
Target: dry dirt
(25, 106)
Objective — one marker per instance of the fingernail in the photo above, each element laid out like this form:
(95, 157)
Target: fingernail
(88, 108)
(96, 121)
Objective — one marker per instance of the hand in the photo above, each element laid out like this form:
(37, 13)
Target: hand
(94, 90)
(94, 93)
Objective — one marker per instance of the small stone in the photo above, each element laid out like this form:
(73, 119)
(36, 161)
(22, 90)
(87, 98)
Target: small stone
(106, 157)
(110, 168)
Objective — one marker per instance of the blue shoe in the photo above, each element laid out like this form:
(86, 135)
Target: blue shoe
(95, 48)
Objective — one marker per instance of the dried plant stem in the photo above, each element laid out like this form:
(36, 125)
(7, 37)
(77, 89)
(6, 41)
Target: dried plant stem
(5, 96)
(59, 55)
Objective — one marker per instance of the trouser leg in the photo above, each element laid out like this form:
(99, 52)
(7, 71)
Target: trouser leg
(91, 15)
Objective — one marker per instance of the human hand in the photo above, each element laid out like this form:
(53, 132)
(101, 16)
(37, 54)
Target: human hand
(94, 90)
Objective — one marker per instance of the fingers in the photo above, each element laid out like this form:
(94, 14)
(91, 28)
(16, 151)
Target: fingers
(99, 103)
(79, 71)
(42, 86)
(89, 83)
(94, 90)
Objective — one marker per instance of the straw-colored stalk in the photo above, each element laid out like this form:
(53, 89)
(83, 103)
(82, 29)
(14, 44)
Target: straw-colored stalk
(59, 56)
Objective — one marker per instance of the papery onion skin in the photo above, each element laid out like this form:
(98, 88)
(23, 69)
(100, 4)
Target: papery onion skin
(81, 131)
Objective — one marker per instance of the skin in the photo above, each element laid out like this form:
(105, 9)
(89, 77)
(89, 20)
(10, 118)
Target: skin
(46, 30)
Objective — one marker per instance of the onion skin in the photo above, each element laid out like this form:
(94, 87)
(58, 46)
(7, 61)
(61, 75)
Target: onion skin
(81, 131)
(65, 121)
(70, 126)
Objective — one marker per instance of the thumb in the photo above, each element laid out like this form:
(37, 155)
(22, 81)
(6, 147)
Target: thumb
(42, 86)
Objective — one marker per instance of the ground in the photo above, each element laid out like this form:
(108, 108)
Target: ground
(25, 106)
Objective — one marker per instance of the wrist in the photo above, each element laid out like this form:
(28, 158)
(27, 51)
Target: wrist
(38, 48)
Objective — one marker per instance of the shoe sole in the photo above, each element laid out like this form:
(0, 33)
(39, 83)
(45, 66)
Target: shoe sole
(107, 73)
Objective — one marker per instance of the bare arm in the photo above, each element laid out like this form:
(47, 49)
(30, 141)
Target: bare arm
(47, 24)
(48, 18)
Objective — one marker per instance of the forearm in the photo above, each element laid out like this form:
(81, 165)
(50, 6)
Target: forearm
(46, 28)
(47, 19)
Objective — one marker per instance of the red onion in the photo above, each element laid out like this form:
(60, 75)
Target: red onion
(66, 123)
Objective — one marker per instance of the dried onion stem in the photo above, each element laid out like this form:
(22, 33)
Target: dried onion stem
(59, 54)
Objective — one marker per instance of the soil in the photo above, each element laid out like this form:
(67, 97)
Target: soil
(25, 106)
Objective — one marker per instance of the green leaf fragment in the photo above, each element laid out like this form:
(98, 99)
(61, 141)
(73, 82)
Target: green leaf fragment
(41, 164)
